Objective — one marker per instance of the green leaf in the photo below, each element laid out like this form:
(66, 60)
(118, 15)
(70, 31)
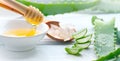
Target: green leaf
(110, 56)
(60, 7)
(117, 36)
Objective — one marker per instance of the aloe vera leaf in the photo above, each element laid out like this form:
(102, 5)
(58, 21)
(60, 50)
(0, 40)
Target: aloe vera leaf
(84, 40)
(83, 46)
(80, 34)
(61, 7)
(73, 50)
(117, 36)
(108, 6)
(104, 37)
(110, 56)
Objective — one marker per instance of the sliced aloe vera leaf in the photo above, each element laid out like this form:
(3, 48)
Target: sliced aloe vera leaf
(60, 7)
(80, 34)
(110, 56)
(85, 39)
(104, 37)
(73, 50)
(83, 46)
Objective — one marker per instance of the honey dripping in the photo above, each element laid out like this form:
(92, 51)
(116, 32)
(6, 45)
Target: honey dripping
(32, 31)
(31, 14)
(25, 32)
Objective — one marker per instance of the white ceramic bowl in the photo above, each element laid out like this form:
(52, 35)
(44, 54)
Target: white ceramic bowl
(21, 43)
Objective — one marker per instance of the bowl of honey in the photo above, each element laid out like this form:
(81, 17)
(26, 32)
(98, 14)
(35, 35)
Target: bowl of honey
(18, 35)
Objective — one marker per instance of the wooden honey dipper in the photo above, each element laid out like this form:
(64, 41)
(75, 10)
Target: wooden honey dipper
(31, 14)
(9, 8)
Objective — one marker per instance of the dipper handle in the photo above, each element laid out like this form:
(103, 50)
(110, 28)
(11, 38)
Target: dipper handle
(15, 5)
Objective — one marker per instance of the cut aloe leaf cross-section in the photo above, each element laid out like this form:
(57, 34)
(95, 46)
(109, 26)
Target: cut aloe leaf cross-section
(80, 34)
(85, 39)
(84, 46)
(60, 7)
(73, 50)
(104, 37)
(82, 42)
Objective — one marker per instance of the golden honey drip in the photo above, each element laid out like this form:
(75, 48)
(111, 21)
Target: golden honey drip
(32, 22)
(33, 16)
(32, 31)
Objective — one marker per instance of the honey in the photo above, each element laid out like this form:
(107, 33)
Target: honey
(21, 32)
(33, 20)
